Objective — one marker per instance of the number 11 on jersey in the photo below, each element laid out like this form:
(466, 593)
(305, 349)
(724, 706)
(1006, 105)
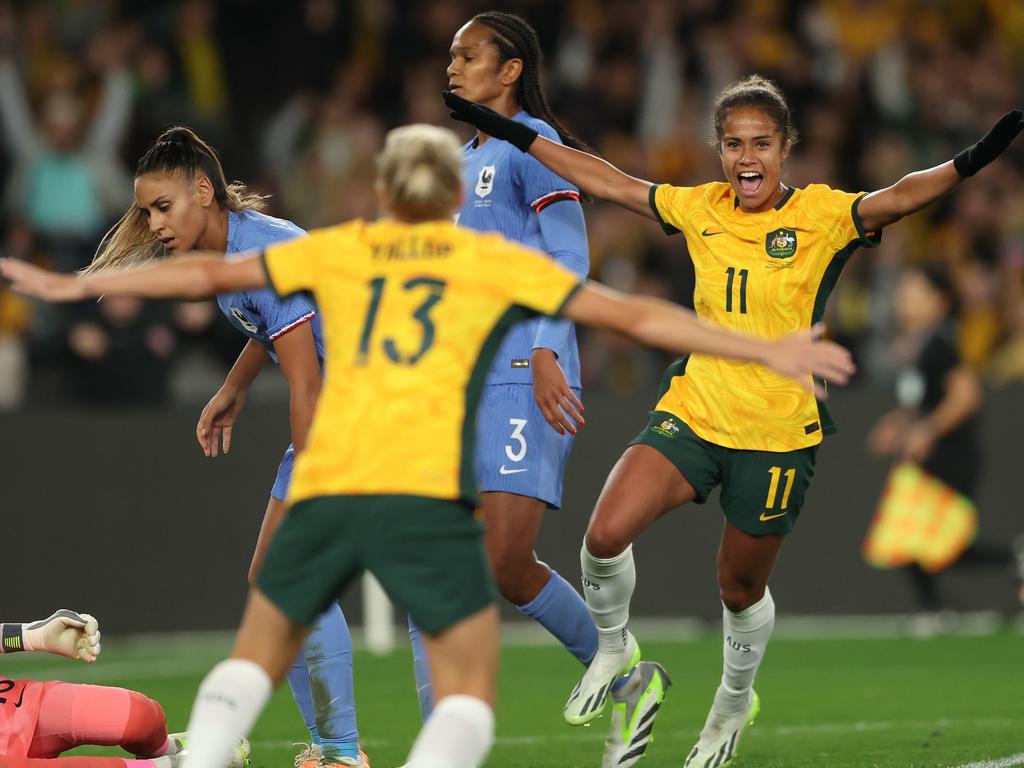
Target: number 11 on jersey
(731, 272)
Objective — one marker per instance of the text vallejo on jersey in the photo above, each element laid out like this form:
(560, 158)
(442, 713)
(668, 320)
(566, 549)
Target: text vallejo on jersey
(412, 248)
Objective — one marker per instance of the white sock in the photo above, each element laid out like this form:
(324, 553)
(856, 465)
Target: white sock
(608, 586)
(226, 707)
(459, 734)
(746, 637)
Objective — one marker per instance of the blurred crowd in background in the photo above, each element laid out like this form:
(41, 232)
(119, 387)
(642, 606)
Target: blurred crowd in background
(298, 95)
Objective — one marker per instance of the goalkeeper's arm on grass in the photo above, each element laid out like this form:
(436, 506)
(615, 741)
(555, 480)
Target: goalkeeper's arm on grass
(65, 633)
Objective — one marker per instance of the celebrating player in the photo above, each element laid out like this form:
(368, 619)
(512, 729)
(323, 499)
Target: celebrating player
(182, 202)
(40, 720)
(414, 309)
(766, 258)
(535, 378)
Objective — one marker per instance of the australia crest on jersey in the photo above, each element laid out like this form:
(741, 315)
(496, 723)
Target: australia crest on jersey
(485, 181)
(667, 428)
(243, 321)
(781, 243)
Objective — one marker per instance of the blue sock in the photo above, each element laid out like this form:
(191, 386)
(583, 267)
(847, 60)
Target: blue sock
(561, 611)
(421, 669)
(298, 681)
(328, 656)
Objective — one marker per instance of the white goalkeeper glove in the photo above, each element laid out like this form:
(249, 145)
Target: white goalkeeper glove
(65, 633)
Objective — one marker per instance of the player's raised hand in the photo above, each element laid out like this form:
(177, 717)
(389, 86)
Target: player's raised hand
(490, 122)
(65, 633)
(804, 353)
(217, 420)
(991, 145)
(30, 280)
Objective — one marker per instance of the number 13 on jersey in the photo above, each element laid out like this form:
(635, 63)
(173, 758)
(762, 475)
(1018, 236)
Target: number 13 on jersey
(378, 287)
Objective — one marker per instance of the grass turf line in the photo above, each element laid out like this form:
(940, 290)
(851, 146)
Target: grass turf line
(936, 703)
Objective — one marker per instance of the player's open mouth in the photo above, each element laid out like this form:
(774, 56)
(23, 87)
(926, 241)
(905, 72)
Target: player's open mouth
(750, 182)
(168, 243)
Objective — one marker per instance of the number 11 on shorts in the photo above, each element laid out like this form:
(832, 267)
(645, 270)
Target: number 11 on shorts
(773, 488)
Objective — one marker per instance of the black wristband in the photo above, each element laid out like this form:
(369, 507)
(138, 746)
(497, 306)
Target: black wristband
(12, 638)
(486, 120)
(991, 145)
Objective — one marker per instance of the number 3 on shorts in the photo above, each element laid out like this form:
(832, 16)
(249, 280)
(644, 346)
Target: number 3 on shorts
(518, 425)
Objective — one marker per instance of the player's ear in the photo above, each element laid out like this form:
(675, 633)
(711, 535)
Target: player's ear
(204, 191)
(510, 71)
(787, 145)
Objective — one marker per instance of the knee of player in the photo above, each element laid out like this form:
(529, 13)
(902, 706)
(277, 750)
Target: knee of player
(739, 595)
(146, 721)
(605, 540)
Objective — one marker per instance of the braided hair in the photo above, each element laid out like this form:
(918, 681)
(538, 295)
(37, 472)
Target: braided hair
(516, 39)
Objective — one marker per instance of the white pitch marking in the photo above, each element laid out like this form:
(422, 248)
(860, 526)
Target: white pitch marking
(1005, 762)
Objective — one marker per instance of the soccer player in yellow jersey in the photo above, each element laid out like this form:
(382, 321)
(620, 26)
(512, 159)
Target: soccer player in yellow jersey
(413, 308)
(766, 258)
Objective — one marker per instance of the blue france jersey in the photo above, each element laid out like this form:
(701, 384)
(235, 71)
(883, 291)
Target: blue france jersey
(260, 314)
(505, 191)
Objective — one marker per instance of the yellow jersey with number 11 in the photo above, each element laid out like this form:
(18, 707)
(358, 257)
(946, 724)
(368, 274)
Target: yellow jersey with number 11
(412, 315)
(766, 274)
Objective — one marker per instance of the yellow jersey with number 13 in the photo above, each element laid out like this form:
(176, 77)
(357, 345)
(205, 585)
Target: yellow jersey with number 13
(412, 315)
(766, 274)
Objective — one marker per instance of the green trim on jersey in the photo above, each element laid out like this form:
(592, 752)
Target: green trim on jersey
(785, 198)
(557, 314)
(865, 239)
(667, 228)
(675, 368)
(467, 472)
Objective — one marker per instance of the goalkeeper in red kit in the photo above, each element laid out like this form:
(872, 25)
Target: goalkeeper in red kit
(40, 720)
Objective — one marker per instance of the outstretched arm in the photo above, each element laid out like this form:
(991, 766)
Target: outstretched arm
(195, 276)
(593, 175)
(659, 323)
(916, 190)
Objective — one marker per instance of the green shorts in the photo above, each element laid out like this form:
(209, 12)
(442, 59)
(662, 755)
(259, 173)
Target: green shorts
(427, 554)
(762, 491)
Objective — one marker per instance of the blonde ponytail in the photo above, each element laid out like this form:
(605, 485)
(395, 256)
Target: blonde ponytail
(420, 171)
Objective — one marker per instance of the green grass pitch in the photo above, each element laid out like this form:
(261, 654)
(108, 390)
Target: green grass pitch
(945, 701)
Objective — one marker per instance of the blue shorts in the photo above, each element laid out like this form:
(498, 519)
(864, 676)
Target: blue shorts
(517, 451)
(284, 475)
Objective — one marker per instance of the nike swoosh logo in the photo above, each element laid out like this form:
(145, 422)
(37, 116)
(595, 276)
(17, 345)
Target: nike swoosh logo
(765, 518)
(509, 471)
(17, 704)
(705, 233)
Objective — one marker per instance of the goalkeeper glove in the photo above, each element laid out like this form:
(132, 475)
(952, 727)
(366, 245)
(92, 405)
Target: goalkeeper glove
(991, 145)
(65, 633)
